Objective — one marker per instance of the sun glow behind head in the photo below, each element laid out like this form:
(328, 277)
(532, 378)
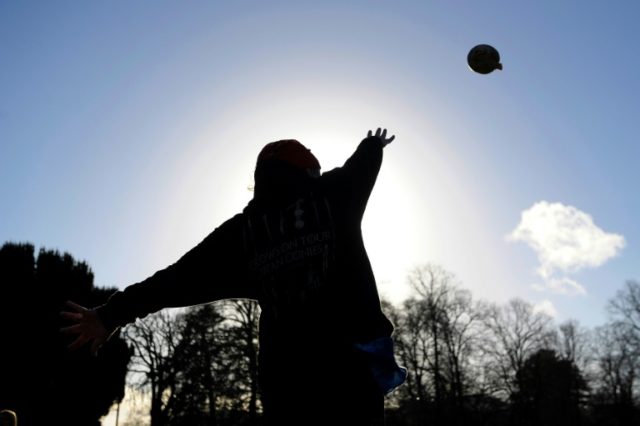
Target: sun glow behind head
(213, 175)
(408, 218)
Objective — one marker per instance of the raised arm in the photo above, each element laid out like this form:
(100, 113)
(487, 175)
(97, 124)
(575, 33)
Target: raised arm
(356, 178)
(213, 270)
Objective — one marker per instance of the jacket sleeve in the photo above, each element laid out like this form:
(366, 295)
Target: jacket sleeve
(354, 181)
(213, 270)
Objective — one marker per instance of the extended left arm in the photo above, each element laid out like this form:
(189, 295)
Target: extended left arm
(213, 270)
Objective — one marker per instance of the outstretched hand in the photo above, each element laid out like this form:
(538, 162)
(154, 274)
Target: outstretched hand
(382, 135)
(88, 327)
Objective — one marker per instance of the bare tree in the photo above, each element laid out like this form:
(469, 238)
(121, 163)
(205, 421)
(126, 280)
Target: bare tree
(617, 350)
(414, 347)
(244, 318)
(461, 321)
(436, 340)
(619, 364)
(514, 333)
(433, 284)
(154, 341)
(574, 343)
(625, 308)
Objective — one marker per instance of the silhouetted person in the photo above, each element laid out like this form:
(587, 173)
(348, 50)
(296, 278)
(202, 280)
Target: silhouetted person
(326, 354)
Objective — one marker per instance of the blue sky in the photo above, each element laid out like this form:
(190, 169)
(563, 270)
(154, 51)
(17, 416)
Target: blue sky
(129, 131)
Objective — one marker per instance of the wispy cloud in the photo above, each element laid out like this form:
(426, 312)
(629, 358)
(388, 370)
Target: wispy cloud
(545, 307)
(565, 240)
(563, 285)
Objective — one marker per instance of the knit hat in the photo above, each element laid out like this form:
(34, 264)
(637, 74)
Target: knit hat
(289, 151)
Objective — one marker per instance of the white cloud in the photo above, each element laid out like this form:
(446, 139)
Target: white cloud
(563, 285)
(565, 240)
(545, 307)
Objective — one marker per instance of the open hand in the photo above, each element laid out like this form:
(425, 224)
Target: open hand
(382, 135)
(88, 327)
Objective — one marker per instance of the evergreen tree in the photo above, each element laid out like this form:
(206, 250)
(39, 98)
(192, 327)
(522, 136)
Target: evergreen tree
(41, 380)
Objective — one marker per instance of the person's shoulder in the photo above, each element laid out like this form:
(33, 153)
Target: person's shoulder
(334, 181)
(232, 224)
(227, 234)
(234, 220)
(329, 179)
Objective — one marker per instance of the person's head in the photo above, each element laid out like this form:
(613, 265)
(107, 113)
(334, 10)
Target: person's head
(8, 418)
(283, 165)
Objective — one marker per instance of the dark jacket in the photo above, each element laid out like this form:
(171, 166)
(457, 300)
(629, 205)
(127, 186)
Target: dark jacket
(300, 255)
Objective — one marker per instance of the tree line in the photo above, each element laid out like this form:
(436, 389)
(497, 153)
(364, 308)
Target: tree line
(40, 379)
(470, 362)
(474, 362)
